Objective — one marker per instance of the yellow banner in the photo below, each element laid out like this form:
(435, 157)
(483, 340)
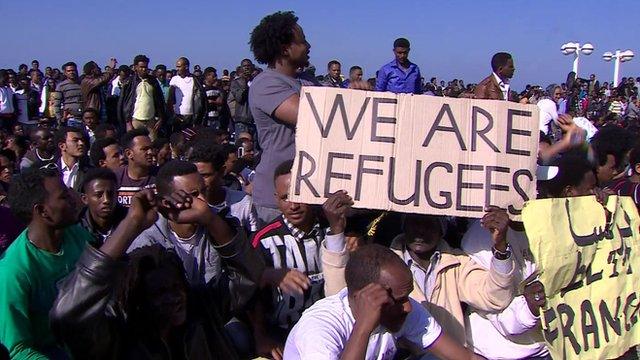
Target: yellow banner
(589, 264)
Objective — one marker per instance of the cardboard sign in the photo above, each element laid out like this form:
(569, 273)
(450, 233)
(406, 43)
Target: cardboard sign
(414, 153)
(590, 271)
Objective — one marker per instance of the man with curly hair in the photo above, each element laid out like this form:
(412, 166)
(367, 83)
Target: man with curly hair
(279, 42)
(45, 252)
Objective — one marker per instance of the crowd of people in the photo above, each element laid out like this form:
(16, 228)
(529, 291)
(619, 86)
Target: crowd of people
(145, 215)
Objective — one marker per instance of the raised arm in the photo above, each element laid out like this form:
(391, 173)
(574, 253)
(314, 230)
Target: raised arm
(493, 289)
(79, 315)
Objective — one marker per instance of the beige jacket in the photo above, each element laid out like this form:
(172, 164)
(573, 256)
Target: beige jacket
(459, 280)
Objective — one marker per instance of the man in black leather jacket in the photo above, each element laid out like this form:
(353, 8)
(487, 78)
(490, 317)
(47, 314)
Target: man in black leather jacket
(143, 308)
(127, 100)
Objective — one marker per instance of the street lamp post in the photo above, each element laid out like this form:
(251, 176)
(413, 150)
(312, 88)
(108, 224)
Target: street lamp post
(575, 48)
(619, 56)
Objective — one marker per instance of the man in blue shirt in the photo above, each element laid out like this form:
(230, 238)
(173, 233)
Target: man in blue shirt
(400, 75)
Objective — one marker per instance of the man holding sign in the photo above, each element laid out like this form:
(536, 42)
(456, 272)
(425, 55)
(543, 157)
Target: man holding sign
(273, 100)
(583, 248)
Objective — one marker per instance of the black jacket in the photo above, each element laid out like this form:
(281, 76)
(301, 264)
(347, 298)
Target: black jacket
(85, 317)
(240, 92)
(127, 99)
(86, 222)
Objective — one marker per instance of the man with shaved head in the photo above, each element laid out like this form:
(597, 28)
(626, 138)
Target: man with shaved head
(187, 101)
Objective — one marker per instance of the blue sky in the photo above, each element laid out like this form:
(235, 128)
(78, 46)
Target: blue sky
(449, 39)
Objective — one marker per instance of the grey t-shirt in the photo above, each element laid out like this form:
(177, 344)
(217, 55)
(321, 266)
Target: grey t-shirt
(277, 139)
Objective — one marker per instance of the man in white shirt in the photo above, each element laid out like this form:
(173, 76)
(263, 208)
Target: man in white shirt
(548, 107)
(515, 332)
(73, 149)
(7, 101)
(367, 318)
(444, 277)
(186, 99)
(36, 80)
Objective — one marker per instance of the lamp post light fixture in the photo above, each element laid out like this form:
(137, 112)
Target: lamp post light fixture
(575, 49)
(620, 57)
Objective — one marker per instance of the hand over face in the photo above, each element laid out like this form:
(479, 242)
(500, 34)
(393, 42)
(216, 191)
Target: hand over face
(368, 305)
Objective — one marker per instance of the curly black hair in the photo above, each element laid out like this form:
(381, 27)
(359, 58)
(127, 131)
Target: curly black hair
(27, 190)
(61, 134)
(208, 152)
(96, 152)
(364, 265)
(98, 174)
(572, 168)
(271, 34)
(615, 141)
(168, 171)
(130, 293)
(126, 141)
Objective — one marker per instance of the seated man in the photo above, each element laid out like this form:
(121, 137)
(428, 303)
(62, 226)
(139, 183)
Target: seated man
(106, 153)
(105, 131)
(290, 244)
(210, 160)
(73, 162)
(515, 333)
(232, 169)
(43, 148)
(139, 173)
(445, 277)
(102, 213)
(366, 319)
(157, 315)
(43, 254)
(197, 239)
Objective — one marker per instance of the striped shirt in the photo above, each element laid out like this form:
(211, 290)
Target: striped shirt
(71, 98)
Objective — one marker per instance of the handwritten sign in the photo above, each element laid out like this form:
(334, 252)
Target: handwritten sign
(590, 271)
(414, 153)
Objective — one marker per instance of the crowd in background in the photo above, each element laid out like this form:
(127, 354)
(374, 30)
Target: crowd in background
(145, 214)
